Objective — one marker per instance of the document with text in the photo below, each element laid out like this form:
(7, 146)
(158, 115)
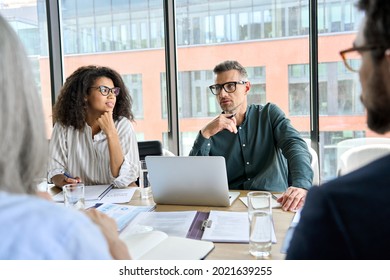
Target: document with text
(226, 226)
(172, 223)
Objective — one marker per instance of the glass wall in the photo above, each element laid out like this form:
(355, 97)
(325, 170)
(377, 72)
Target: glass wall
(342, 115)
(24, 17)
(261, 35)
(128, 36)
(269, 37)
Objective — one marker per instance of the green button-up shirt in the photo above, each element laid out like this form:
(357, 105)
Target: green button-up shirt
(262, 153)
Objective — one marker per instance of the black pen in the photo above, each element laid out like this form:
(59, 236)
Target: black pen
(106, 191)
(274, 196)
(231, 116)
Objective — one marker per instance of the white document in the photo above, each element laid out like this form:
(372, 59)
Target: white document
(103, 193)
(119, 195)
(172, 223)
(274, 203)
(122, 214)
(226, 226)
(157, 245)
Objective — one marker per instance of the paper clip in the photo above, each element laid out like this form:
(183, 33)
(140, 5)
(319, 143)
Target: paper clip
(206, 223)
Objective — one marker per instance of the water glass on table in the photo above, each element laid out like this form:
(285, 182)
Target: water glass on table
(260, 223)
(74, 196)
(41, 184)
(144, 184)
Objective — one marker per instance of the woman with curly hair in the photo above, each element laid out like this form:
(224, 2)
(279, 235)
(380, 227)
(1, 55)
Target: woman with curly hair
(93, 139)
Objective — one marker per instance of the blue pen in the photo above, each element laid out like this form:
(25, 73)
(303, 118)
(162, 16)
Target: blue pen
(67, 175)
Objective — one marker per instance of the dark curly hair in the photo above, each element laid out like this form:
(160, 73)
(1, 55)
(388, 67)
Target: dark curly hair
(71, 107)
(377, 26)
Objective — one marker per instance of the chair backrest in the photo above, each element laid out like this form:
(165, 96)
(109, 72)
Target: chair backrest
(357, 157)
(167, 153)
(345, 145)
(149, 148)
(315, 166)
(314, 163)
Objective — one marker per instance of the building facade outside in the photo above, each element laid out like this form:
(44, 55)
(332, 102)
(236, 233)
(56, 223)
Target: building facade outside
(269, 37)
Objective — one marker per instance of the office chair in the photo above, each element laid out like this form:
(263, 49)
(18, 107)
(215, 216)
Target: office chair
(347, 144)
(149, 148)
(315, 167)
(314, 163)
(357, 157)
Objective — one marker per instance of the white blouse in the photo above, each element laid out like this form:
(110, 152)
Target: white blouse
(75, 152)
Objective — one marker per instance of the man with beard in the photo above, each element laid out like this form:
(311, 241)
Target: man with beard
(348, 218)
(260, 146)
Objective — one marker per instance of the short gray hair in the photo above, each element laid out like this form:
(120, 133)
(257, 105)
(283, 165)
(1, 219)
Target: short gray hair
(23, 145)
(230, 65)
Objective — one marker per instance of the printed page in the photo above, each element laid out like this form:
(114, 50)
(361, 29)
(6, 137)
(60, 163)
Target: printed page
(172, 223)
(119, 195)
(229, 227)
(122, 214)
(91, 193)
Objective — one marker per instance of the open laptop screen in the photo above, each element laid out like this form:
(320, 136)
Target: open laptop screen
(188, 180)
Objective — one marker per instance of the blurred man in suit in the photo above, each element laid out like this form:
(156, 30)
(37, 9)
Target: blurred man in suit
(348, 218)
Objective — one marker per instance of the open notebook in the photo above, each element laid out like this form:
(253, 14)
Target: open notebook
(157, 245)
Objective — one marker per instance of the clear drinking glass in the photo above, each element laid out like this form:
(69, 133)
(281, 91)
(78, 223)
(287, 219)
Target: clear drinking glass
(41, 184)
(144, 184)
(74, 195)
(260, 223)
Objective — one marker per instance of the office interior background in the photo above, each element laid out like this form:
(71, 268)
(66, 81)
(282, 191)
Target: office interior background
(141, 39)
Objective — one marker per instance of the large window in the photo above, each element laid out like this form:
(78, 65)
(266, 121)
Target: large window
(126, 35)
(31, 27)
(269, 37)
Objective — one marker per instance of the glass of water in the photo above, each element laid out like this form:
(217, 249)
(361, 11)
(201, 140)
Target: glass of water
(260, 223)
(74, 196)
(144, 184)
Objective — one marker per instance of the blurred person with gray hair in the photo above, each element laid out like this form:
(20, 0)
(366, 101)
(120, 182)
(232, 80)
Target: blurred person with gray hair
(33, 227)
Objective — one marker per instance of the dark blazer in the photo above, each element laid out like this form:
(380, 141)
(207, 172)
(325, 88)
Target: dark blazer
(347, 218)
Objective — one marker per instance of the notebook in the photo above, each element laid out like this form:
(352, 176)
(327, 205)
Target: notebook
(189, 180)
(157, 245)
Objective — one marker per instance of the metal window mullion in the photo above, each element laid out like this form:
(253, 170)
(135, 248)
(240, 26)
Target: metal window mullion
(314, 90)
(55, 48)
(171, 75)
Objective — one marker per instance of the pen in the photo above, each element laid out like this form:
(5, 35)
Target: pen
(67, 175)
(106, 191)
(231, 116)
(274, 196)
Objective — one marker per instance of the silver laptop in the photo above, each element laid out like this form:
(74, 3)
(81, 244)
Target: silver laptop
(189, 180)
